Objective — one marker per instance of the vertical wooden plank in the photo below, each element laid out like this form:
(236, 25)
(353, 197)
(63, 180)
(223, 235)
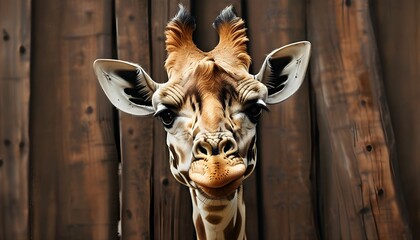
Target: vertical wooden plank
(172, 202)
(359, 198)
(14, 118)
(398, 39)
(136, 132)
(285, 132)
(74, 162)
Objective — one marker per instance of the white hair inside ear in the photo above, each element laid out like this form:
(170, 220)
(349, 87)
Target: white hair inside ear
(127, 85)
(283, 70)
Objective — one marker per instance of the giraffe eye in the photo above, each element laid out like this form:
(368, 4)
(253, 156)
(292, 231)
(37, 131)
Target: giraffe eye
(167, 117)
(254, 112)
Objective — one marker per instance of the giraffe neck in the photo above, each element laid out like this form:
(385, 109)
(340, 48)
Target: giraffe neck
(218, 219)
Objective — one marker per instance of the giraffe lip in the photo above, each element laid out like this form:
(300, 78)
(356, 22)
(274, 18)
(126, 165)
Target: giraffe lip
(221, 192)
(218, 176)
(217, 172)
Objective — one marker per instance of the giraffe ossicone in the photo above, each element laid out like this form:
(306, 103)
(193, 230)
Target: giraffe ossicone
(209, 107)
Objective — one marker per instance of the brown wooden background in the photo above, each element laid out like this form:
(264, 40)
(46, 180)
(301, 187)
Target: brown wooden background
(339, 160)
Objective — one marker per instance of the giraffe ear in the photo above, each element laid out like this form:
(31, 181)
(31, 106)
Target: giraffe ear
(127, 85)
(284, 69)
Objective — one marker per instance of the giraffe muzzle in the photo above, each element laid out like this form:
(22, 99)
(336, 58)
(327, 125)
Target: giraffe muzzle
(217, 169)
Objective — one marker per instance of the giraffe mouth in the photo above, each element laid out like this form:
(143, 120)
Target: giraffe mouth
(218, 176)
(226, 191)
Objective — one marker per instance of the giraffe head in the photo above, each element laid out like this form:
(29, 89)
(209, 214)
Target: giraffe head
(210, 104)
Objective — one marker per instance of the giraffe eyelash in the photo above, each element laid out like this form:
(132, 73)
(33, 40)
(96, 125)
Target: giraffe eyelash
(166, 115)
(254, 110)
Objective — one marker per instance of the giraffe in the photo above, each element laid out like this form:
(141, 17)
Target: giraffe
(209, 107)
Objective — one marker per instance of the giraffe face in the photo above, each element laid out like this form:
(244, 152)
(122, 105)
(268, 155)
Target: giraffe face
(210, 104)
(210, 116)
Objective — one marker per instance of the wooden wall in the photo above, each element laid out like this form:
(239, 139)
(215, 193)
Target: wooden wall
(73, 159)
(336, 161)
(14, 118)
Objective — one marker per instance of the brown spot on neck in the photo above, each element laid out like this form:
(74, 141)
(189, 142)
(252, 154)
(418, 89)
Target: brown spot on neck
(214, 208)
(232, 196)
(199, 227)
(214, 219)
(175, 160)
(233, 230)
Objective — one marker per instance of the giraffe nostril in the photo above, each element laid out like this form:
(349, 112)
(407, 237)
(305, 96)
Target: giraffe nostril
(201, 149)
(227, 147)
(213, 146)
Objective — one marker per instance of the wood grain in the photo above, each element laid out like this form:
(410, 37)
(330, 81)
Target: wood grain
(285, 132)
(74, 161)
(14, 118)
(136, 133)
(398, 40)
(358, 197)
